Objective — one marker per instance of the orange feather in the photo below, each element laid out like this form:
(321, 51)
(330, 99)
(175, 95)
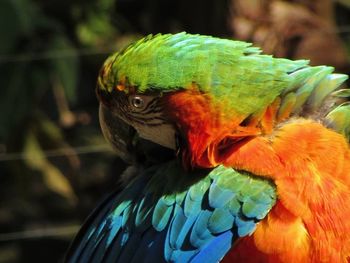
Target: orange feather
(309, 164)
(313, 186)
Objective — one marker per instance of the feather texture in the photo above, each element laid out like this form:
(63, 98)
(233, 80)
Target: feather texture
(136, 224)
(265, 117)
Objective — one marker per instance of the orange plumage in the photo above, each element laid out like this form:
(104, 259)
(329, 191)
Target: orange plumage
(309, 164)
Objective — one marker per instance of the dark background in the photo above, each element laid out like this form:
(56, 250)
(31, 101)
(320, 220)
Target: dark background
(54, 163)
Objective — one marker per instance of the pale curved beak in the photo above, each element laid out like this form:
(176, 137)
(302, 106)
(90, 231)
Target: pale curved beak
(118, 133)
(127, 143)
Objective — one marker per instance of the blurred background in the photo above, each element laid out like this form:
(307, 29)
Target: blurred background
(54, 164)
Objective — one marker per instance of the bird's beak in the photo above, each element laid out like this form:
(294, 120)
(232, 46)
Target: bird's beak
(118, 133)
(124, 138)
(103, 97)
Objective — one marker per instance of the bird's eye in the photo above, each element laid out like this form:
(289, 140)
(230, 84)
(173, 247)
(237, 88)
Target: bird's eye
(137, 102)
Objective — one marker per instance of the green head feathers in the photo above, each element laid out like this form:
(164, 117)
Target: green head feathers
(168, 62)
(228, 70)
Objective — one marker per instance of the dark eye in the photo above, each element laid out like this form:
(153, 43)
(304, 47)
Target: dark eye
(137, 102)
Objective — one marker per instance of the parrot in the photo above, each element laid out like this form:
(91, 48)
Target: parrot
(237, 156)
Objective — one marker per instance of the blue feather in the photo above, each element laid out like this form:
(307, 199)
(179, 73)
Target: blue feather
(169, 199)
(93, 243)
(180, 197)
(245, 227)
(196, 223)
(115, 248)
(161, 214)
(180, 256)
(115, 226)
(126, 215)
(215, 250)
(234, 206)
(219, 197)
(200, 235)
(144, 214)
(178, 231)
(220, 220)
(253, 209)
(101, 249)
(179, 228)
(192, 206)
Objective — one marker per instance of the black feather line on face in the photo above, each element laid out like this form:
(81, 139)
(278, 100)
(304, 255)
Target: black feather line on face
(119, 103)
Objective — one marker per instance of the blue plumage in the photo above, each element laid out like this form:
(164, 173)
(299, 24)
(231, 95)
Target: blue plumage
(200, 233)
(219, 197)
(161, 214)
(215, 249)
(196, 222)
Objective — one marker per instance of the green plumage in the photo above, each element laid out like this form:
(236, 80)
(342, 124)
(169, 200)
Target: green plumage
(219, 66)
(233, 73)
(339, 120)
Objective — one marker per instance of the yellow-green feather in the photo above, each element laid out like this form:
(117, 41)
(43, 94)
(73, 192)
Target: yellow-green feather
(233, 73)
(221, 67)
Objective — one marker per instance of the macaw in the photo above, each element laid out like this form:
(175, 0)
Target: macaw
(259, 161)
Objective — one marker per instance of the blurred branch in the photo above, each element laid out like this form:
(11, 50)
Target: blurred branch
(121, 42)
(67, 117)
(344, 29)
(58, 231)
(54, 178)
(57, 54)
(57, 152)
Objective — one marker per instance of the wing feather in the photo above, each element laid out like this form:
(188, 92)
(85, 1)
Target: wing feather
(196, 222)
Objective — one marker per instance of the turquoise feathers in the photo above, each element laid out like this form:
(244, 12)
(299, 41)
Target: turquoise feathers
(153, 220)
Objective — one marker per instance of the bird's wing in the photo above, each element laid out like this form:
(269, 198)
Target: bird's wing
(168, 215)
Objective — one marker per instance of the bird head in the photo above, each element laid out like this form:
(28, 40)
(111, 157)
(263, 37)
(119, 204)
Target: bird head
(196, 95)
